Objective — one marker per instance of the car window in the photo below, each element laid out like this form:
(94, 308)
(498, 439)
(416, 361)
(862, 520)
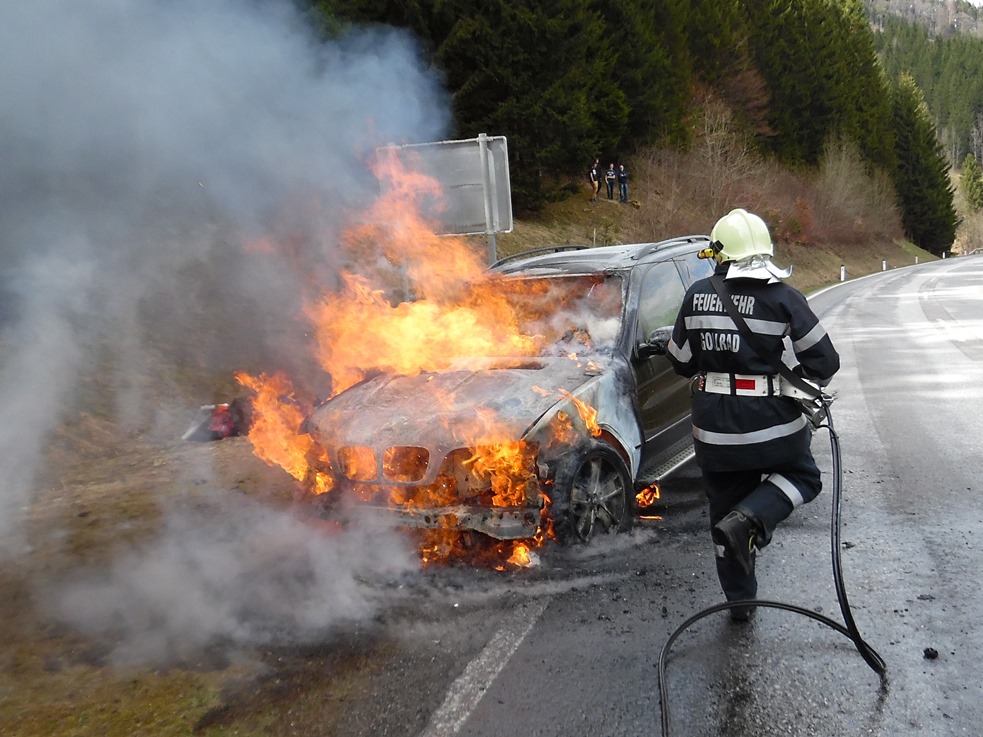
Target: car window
(659, 299)
(692, 267)
(585, 310)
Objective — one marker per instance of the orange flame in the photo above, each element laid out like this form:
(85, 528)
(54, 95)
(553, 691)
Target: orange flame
(521, 556)
(587, 413)
(274, 429)
(397, 311)
(646, 498)
(358, 330)
(563, 429)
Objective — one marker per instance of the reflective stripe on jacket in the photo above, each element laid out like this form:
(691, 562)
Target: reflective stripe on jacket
(733, 432)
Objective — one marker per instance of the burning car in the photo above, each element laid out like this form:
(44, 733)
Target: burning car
(550, 435)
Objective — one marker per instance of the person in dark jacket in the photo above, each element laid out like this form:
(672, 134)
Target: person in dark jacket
(610, 179)
(622, 183)
(752, 443)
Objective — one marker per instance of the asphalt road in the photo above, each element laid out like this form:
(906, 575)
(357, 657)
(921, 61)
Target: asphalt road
(571, 647)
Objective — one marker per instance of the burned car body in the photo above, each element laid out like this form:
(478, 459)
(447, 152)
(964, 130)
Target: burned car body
(559, 438)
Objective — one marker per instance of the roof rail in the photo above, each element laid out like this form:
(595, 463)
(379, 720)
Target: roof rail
(536, 252)
(653, 247)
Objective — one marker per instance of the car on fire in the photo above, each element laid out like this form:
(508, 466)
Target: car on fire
(560, 438)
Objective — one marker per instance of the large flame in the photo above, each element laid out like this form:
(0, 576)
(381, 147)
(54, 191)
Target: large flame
(358, 330)
(401, 309)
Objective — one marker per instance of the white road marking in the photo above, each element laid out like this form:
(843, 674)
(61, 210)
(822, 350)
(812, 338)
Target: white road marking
(469, 688)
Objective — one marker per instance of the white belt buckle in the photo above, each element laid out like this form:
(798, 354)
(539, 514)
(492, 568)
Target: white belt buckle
(719, 381)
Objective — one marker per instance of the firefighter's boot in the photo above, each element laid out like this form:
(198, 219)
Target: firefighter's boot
(737, 533)
(736, 585)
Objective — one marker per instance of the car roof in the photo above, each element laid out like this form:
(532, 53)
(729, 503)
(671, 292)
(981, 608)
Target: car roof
(574, 259)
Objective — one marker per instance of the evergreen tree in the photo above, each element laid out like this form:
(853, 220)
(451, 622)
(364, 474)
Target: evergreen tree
(775, 48)
(971, 181)
(949, 71)
(820, 62)
(796, 44)
(651, 67)
(717, 37)
(921, 179)
(542, 74)
(719, 44)
(866, 108)
(334, 16)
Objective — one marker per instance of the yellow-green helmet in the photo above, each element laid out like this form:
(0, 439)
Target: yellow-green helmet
(739, 235)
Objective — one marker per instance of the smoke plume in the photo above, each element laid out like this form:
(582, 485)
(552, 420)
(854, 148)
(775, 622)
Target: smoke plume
(175, 174)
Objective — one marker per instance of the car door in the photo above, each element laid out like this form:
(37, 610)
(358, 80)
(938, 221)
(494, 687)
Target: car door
(663, 396)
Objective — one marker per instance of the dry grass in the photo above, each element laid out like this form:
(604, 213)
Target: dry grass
(56, 681)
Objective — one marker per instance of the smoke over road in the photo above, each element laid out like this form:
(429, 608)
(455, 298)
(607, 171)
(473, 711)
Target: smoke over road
(251, 576)
(173, 169)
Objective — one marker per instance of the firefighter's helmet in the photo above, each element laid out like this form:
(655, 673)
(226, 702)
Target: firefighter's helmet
(738, 235)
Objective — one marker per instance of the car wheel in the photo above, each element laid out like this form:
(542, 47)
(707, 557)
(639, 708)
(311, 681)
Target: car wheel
(596, 498)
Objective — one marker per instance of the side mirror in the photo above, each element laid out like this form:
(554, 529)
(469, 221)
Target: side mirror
(657, 344)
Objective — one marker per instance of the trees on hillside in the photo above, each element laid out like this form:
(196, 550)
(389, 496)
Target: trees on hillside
(717, 34)
(971, 182)
(866, 114)
(821, 66)
(568, 80)
(652, 66)
(540, 72)
(922, 175)
(949, 71)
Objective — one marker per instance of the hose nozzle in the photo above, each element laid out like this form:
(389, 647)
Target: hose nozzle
(816, 410)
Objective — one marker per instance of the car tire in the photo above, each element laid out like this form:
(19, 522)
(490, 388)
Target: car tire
(595, 496)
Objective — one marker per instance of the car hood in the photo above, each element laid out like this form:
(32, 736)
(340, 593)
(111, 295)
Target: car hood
(444, 409)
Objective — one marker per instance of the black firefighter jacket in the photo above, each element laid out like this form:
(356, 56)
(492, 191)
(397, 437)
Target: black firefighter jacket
(744, 432)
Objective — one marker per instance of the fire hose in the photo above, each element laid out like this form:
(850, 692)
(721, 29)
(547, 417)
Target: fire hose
(817, 411)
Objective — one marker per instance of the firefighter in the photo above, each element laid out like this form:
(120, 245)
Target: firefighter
(752, 444)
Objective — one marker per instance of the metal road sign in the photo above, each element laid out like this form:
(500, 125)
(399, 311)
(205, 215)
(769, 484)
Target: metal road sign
(473, 175)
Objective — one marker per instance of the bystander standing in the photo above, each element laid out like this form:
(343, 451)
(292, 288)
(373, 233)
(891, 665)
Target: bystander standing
(622, 183)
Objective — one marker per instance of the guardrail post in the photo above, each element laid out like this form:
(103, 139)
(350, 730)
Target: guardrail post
(884, 265)
(842, 272)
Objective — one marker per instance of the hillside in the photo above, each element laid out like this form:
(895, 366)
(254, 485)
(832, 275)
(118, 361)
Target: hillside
(837, 215)
(815, 265)
(939, 17)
